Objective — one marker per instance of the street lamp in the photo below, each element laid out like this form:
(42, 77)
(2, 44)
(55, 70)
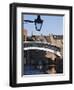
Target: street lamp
(38, 23)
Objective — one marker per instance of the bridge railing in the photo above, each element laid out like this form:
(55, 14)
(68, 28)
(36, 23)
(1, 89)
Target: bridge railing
(39, 44)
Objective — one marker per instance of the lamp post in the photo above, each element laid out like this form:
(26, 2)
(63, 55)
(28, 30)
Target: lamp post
(37, 22)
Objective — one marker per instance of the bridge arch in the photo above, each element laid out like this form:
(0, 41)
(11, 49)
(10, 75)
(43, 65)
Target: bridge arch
(44, 49)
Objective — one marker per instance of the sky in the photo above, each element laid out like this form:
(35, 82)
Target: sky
(51, 25)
